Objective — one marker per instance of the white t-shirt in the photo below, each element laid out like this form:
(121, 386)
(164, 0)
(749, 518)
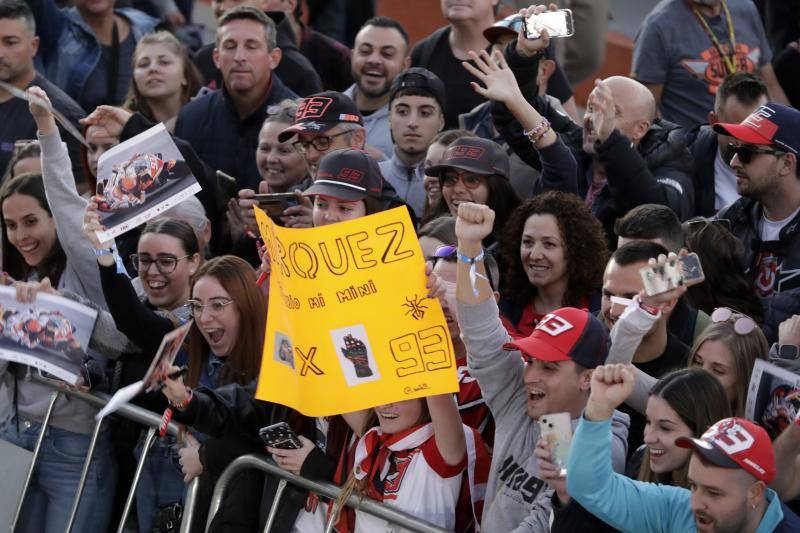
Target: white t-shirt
(725, 192)
(770, 230)
(421, 483)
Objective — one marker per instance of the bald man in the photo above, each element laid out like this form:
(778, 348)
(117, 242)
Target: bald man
(626, 155)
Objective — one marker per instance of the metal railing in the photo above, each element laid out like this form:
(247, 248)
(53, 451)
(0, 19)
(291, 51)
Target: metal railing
(328, 490)
(153, 421)
(131, 412)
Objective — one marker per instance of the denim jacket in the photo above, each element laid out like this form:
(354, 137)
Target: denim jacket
(69, 50)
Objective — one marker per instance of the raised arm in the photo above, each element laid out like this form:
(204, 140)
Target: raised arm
(65, 203)
(447, 428)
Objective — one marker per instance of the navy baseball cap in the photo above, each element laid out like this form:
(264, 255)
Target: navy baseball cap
(566, 334)
(772, 123)
(473, 154)
(321, 112)
(419, 78)
(348, 174)
(508, 26)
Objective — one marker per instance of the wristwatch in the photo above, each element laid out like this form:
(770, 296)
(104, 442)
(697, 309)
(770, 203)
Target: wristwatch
(789, 352)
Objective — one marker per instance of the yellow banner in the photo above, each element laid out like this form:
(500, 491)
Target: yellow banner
(349, 324)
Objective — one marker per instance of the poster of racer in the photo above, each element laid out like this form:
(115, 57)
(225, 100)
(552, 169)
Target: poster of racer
(51, 334)
(139, 179)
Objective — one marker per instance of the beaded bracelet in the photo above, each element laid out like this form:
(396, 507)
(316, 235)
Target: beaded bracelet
(536, 133)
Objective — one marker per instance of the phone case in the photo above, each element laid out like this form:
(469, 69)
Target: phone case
(661, 278)
(556, 430)
(692, 270)
(558, 24)
(281, 436)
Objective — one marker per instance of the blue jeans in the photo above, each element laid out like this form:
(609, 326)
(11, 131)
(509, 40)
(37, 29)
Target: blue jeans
(51, 492)
(161, 483)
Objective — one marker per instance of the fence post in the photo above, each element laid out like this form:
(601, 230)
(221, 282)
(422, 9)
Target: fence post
(148, 443)
(189, 505)
(84, 474)
(274, 509)
(36, 448)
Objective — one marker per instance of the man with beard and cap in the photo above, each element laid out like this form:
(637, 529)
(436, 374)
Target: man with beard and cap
(764, 158)
(685, 48)
(730, 468)
(379, 55)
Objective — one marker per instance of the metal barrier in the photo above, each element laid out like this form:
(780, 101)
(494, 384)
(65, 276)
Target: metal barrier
(328, 490)
(131, 412)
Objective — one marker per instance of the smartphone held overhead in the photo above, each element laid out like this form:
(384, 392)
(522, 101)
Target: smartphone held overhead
(557, 23)
(556, 430)
(685, 270)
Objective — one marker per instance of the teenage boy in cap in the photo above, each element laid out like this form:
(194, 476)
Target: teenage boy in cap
(765, 219)
(729, 470)
(558, 360)
(416, 115)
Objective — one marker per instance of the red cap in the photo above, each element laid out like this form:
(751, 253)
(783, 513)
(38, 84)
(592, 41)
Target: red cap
(736, 443)
(566, 334)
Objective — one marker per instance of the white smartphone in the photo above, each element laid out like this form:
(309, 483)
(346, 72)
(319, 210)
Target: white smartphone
(557, 23)
(556, 430)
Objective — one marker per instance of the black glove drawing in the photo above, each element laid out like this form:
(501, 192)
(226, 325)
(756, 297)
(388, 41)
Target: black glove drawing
(356, 352)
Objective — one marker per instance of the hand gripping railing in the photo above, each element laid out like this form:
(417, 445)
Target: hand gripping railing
(328, 490)
(131, 412)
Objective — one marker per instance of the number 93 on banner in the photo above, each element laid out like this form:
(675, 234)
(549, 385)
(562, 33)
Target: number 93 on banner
(350, 325)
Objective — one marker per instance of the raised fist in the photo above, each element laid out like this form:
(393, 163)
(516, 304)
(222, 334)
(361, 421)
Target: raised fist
(473, 223)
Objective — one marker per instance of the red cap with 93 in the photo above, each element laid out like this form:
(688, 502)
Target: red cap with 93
(736, 443)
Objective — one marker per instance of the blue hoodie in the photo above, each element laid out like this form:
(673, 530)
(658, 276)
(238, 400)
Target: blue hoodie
(638, 506)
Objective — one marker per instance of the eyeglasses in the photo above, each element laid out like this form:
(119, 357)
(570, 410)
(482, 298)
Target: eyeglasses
(320, 144)
(215, 307)
(742, 324)
(746, 152)
(165, 264)
(471, 181)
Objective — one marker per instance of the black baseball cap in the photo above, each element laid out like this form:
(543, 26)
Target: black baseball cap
(321, 112)
(419, 78)
(508, 26)
(473, 154)
(348, 174)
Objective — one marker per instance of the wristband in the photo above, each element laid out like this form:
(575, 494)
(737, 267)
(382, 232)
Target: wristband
(473, 269)
(647, 308)
(185, 403)
(103, 251)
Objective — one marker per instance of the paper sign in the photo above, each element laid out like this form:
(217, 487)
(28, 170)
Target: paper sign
(773, 397)
(350, 325)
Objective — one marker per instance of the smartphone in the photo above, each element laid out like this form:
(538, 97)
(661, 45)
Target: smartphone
(556, 430)
(557, 23)
(281, 436)
(686, 270)
(275, 204)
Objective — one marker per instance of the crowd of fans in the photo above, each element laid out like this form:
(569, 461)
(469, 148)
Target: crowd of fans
(536, 218)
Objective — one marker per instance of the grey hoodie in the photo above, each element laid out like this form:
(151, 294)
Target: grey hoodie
(81, 276)
(516, 499)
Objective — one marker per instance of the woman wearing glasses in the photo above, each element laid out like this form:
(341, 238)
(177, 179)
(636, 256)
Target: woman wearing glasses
(727, 349)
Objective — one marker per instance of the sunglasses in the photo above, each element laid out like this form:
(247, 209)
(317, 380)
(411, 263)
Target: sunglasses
(699, 223)
(746, 152)
(742, 324)
(471, 181)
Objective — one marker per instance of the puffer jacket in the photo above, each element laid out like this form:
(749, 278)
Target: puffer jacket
(69, 50)
(778, 309)
(745, 215)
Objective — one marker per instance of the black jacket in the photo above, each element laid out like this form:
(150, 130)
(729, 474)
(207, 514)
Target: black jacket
(295, 69)
(226, 142)
(779, 308)
(745, 215)
(703, 145)
(658, 171)
(232, 416)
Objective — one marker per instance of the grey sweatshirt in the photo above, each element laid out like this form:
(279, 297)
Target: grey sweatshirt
(81, 276)
(516, 499)
(407, 181)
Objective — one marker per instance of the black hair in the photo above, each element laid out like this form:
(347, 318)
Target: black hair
(387, 22)
(14, 264)
(746, 87)
(417, 91)
(175, 228)
(18, 10)
(637, 252)
(651, 221)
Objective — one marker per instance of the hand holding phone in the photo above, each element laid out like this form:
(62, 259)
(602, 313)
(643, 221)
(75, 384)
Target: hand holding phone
(667, 274)
(281, 436)
(274, 204)
(556, 23)
(556, 431)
